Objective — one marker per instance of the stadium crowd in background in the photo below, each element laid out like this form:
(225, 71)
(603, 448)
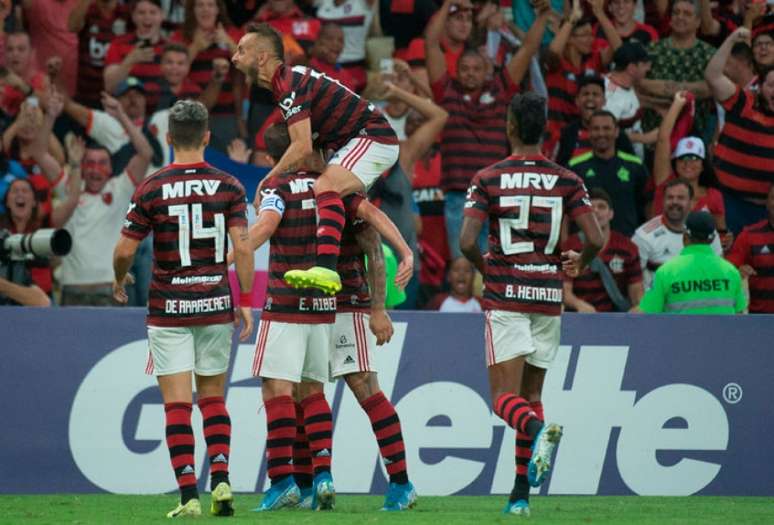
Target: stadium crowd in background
(668, 106)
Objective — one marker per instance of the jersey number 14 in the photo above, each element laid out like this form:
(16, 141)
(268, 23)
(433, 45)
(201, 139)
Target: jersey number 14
(186, 219)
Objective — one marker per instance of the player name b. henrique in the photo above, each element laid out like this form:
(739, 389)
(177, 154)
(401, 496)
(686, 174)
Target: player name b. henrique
(221, 303)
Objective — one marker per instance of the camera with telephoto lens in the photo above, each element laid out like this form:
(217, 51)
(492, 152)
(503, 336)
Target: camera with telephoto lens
(43, 244)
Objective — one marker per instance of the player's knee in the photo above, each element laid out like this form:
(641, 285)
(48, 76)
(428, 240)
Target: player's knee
(309, 388)
(362, 384)
(271, 388)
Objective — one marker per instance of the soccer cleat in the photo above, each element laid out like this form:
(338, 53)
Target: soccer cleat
(542, 448)
(305, 501)
(192, 508)
(315, 277)
(400, 497)
(222, 500)
(323, 493)
(280, 495)
(519, 507)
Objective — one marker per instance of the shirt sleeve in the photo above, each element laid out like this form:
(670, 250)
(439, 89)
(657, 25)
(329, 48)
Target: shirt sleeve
(741, 250)
(632, 267)
(115, 53)
(439, 87)
(741, 297)
(577, 202)
(138, 218)
(237, 212)
(477, 200)
(736, 102)
(107, 131)
(653, 300)
(294, 102)
(642, 247)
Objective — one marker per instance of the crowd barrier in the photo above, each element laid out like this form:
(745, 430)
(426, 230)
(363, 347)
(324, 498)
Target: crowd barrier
(650, 405)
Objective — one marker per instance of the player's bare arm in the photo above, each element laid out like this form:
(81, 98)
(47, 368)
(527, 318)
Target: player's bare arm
(573, 262)
(245, 269)
(379, 322)
(260, 232)
(300, 148)
(123, 256)
(387, 229)
(471, 227)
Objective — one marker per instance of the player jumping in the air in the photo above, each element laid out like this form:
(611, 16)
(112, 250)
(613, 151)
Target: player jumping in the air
(524, 197)
(319, 110)
(294, 332)
(190, 207)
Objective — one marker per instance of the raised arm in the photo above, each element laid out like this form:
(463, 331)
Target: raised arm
(662, 164)
(209, 96)
(260, 232)
(709, 26)
(387, 229)
(50, 166)
(434, 57)
(598, 9)
(519, 64)
(379, 322)
(563, 35)
(300, 148)
(245, 270)
(722, 87)
(425, 136)
(77, 17)
(115, 73)
(138, 164)
(76, 147)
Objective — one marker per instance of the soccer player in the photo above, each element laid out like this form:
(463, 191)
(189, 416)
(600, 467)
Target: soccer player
(294, 332)
(320, 110)
(189, 207)
(525, 197)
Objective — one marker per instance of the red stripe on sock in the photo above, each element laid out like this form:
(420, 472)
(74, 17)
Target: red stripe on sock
(180, 441)
(318, 422)
(281, 433)
(217, 432)
(386, 426)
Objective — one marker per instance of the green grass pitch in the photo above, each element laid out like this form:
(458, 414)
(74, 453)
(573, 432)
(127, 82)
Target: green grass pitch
(83, 509)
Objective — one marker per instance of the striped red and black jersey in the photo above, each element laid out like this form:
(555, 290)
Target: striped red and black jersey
(755, 247)
(148, 73)
(201, 71)
(337, 114)
(475, 133)
(562, 84)
(94, 38)
(189, 209)
(524, 198)
(355, 295)
(745, 150)
(621, 256)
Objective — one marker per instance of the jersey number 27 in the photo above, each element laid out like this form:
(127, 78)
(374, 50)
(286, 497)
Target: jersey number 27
(521, 222)
(186, 219)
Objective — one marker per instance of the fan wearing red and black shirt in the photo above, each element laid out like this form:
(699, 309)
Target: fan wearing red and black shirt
(474, 135)
(138, 54)
(191, 208)
(319, 110)
(753, 254)
(588, 292)
(524, 198)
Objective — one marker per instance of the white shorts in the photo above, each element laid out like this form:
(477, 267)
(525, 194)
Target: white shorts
(366, 158)
(292, 351)
(204, 349)
(351, 345)
(514, 334)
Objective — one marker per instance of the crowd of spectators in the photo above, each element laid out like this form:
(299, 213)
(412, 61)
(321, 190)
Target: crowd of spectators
(662, 107)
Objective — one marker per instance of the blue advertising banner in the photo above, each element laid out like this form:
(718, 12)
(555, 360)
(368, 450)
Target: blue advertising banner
(650, 405)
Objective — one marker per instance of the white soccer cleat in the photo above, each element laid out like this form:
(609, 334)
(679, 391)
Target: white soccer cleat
(542, 450)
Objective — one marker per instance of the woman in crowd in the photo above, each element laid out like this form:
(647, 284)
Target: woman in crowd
(689, 161)
(209, 34)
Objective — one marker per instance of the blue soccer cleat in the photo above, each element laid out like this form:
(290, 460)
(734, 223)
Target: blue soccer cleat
(323, 493)
(280, 495)
(400, 497)
(305, 501)
(519, 507)
(542, 448)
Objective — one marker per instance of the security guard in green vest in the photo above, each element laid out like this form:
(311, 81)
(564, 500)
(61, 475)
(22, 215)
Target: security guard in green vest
(697, 281)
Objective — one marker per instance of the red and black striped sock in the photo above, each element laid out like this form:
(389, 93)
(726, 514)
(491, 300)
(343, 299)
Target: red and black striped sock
(330, 210)
(386, 425)
(180, 441)
(318, 421)
(515, 411)
(217, 433)
(281, 433)
(523, 454)
(303, 472)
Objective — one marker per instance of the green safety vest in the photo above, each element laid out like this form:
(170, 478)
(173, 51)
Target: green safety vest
(696, 282)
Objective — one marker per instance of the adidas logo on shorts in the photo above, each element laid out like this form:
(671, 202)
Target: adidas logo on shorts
(349, 360)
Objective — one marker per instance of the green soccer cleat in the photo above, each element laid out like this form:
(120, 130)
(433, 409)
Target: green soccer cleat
(192, 509)
(222, 500)
(315, 277)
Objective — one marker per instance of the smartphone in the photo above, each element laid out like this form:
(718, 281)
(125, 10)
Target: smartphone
(33, 101)
(387, 66)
